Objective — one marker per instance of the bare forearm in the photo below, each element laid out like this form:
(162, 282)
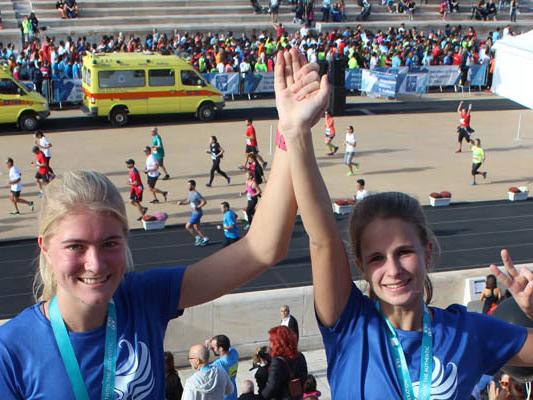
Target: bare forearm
(331, 272)
(266, 243)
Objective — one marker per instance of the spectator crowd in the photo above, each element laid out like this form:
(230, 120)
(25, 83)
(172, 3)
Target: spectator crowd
(47, 58)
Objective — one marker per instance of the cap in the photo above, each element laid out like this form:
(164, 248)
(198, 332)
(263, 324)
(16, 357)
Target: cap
(130, 161)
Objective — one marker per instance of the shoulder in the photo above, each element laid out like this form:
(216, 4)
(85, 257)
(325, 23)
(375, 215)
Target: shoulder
(22, 324)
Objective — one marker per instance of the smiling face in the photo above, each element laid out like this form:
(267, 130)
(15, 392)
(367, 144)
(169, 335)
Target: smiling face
(394, 262)
(87, 256)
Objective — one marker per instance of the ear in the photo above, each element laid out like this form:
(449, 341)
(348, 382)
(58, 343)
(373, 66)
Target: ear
(429, 253)
(42, 245)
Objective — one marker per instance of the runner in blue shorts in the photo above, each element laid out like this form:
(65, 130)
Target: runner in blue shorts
(196, 201)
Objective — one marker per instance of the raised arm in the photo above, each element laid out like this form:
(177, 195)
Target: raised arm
(265, 244)
(331, 270)
(520, 284)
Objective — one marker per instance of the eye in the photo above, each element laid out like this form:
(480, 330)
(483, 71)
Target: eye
(75, 247)
(110, 244)
(375, 258)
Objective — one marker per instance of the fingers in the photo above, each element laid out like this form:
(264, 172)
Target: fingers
(289, 77)
(296, 65)
(503, 278)
(309, 88)
(311, 77)
(279, 72)
(508, 263)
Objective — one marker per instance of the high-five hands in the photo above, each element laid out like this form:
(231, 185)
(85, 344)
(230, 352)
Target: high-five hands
(519, 283)
(301, 95)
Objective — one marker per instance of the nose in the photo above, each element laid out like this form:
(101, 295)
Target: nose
(94, 260)
(393, 266)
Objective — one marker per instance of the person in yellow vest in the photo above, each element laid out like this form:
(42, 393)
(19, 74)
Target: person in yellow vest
(478, 157)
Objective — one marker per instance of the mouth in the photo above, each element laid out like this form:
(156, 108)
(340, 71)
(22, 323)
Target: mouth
(397, 285)
(94, 281)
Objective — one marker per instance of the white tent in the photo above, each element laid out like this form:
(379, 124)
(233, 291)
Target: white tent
(513, 73)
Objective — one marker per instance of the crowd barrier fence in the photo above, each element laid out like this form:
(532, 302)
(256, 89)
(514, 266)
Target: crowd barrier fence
(387, 82)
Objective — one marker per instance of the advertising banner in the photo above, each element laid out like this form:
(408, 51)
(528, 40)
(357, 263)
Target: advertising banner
(380, 83)
(66, 91)
(353, 79)
(412, 83)
(227, 83)
(262, 82)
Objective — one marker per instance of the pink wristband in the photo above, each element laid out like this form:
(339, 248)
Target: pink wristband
(280, 140)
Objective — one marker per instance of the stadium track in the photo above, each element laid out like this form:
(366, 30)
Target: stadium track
(471, 235)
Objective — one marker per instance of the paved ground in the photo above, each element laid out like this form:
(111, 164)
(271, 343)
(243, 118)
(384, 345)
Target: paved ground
(409, 150)
(471, 235)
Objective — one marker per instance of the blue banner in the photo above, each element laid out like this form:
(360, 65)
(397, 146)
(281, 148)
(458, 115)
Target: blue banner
(227, 83)
(412, 83)
(380, 83)
(353, 79)
(66, 91)
(478, 75)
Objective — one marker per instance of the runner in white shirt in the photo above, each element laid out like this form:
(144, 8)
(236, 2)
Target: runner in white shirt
(349, 153)
(46, 147)
(15, 182)
(361, 192)
(152, 171)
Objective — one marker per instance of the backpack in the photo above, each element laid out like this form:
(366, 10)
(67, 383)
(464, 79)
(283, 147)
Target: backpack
(294, 384)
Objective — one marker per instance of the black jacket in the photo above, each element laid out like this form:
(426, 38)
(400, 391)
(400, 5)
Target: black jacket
(277, 387)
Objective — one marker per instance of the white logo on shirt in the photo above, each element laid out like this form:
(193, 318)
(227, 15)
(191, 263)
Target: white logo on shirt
(134, 378)
(443, 381)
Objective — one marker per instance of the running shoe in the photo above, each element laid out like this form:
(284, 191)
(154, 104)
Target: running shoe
(198, 241)
(484, 175)
(335, 149)
(154, 201)
(166, 177)
(229, 180)
(14, 212)
(349, 173)
(208, 185)
(144, 209)
(473, 184)
(165, 194)
(356, 166)
(32, 206)
(204, 241)
(140, 218)
(265, 165)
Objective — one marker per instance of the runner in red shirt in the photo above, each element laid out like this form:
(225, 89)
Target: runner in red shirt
(42, 174)
(464, 129)
(251, 144)
(136, 188)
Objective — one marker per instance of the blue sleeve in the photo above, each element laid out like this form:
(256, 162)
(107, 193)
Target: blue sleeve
(8, 376)
(158, 289)
(348, 319)
(497, 341)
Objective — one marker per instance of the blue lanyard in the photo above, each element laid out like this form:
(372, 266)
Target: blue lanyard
(426, 361)
(69, 358)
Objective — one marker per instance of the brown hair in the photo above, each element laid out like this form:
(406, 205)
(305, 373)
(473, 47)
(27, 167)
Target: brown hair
(391, 205)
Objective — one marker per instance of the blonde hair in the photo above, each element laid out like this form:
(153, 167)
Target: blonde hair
(75, 189)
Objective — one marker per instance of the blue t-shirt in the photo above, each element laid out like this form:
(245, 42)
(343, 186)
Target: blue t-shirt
(230, 218)
(230, 363)
(32, 367)
(465, 346)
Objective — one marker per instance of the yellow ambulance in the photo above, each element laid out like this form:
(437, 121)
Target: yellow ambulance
(122, 84)
(20, 105)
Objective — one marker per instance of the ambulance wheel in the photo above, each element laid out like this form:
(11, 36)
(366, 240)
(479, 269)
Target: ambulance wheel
(28, 121)
(119, 117)
(206, 112)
